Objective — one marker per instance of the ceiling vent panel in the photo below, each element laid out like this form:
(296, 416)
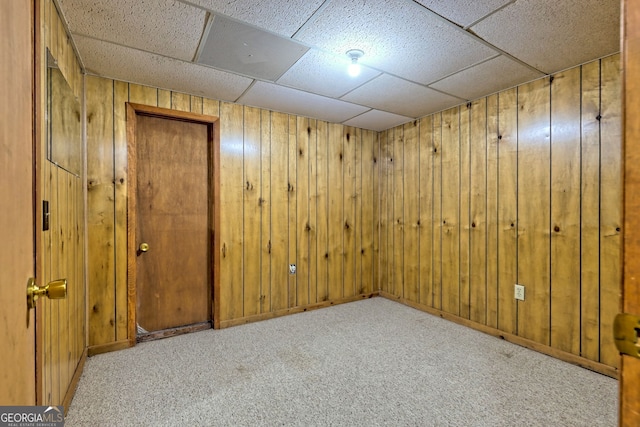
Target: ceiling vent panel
(240, 48)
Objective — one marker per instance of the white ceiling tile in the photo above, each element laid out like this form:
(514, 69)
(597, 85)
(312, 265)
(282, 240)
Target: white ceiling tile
(121, 63)
(166, 27)
(281, 17)
(401, 38)
(247, 50)
(463, 12)
(486, 78)
(401, 97)
(553, 35)
(377, 120)
(325, 74)
(278, 98)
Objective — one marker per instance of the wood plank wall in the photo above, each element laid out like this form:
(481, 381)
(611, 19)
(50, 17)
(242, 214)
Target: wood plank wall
(62, 341)
(523, 186)
(293, 191)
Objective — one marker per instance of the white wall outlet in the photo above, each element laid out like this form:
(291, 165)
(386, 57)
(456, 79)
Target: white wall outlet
(292, 269)
(519, 292)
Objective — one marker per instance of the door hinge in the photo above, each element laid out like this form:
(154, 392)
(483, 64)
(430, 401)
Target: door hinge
(625, 334)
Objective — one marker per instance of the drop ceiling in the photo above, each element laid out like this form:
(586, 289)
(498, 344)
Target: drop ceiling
(420, 56)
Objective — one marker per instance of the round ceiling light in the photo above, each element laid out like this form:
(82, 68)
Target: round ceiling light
(354, 67)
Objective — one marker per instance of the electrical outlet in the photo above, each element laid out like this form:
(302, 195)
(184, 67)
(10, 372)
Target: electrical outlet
(519, 292)
(292, 269)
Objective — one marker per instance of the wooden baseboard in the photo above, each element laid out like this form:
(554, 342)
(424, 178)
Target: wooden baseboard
(293, 310)
(73, 385)
(166, 333)
(532, 345)
(112, 346)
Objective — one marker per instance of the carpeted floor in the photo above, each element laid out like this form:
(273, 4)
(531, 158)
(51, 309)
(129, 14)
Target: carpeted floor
(372, 362)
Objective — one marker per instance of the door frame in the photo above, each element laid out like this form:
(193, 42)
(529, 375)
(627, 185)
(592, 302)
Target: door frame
(213, 135)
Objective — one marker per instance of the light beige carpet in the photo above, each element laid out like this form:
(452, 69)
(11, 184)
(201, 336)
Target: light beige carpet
(372, 362)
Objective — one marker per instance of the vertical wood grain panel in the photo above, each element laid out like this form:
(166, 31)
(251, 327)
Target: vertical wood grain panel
(336, 211)
(465, 202)
(565, 211)
(493, 257)
(451, 211)
(436, 220)
(322, 206)
(164, 99)
(231, 236)
(279, 211)
(385, 204)
(397, 215)
(180, 101)
(293, 212)
(611, 205)
(376, 211)
(478, 212)
(350, 225)
(302, 160)
(425, 148)
(368, 219)
(62, 230)
(534, 210)
(196, 104)
(590, 212)
(251, 211)
(210, 107)
(140, 94)
(507, 209)
(312, 174)
(411, 191)
(265, 211)
(121, 93)
(56, 273)
(361, 139)
(100, 218)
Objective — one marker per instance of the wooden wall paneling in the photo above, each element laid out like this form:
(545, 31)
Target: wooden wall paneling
(361, 225)
(63, 338)
(611, 205)
(349, 223)
(312, 213)
(265, 210)
(279, 211)
(366, 190)
(464, 215)
(196, 104)
(397, 215)
(251, 211)
(451, 210)
(534, 211)
(231, 233)
(565, 211)
(322, 212)
(376, 211)
(493, 233)
(411, 213)
(590, 212)
(100, 217)
(304, 230)
(164, 100)
(56, 272)
(180, 101)
(210, 107)
(507, 193)
(425, 189)
(478, 212)
(293, 210)
(436, 220)
(139, 94)
(45, 305)
(383, 223)
(121, 94)
(336, 211)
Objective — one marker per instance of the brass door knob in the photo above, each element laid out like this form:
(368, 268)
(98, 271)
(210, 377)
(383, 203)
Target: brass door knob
(144, 247)
(53, 290)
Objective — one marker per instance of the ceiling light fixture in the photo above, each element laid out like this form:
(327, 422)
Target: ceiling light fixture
(354, 67)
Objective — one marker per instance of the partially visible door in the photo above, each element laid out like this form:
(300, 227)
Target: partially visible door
(172, 223)
(17, 338)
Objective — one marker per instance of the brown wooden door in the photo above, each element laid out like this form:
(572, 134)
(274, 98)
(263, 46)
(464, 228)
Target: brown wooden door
(630, 367)
(17, 338)
(173, 216)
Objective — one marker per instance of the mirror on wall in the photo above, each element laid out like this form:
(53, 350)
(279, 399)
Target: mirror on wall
(64, 141)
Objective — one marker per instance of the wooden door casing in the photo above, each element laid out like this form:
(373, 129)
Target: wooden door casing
(172, 159)
(212, 257)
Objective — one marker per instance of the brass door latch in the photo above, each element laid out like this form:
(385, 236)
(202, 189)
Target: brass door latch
(53, 290)
(625, 334)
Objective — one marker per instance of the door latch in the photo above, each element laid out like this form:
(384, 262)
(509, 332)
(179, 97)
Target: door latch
(625, 334)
